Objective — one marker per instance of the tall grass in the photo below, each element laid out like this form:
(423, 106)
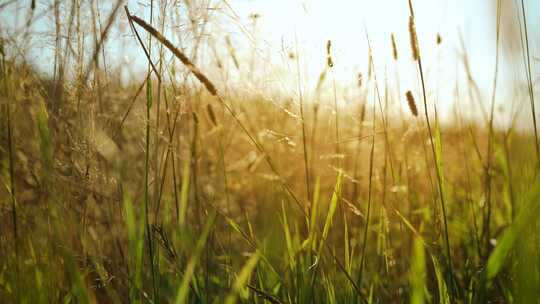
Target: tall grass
(11, 185)
(176, 187)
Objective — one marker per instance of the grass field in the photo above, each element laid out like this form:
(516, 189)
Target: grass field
(174, 188)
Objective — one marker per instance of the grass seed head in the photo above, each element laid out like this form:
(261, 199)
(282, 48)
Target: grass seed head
(211, 114)
(329, 60)
(412, 103)
(414, 39)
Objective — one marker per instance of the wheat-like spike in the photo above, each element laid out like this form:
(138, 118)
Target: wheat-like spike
(412, 103)
(439, 38)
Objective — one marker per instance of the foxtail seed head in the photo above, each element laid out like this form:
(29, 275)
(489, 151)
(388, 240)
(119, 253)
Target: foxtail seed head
(414, 39)
(412, 103)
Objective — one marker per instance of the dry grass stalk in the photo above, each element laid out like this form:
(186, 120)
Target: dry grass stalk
(102, 39)
(370, 71)
(394, 47)
(232, 53)
(411, 10)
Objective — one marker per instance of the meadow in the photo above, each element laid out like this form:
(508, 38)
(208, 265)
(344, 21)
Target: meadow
(175, 188)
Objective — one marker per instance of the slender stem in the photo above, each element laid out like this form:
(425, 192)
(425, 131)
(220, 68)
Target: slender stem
(371, 159)
(146, 190)
(487, 220)
(338, 151)
(368, 213)
(147, 152)
(439, 177)
(436, 160)
(530, 85)
(303, 121)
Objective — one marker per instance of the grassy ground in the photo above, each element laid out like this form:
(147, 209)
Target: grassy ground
(165, 191)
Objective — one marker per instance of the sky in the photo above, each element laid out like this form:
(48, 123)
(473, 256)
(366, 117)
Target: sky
(303, 27)
(309, 24)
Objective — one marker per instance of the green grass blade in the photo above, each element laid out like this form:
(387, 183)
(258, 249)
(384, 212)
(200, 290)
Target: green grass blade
(79, 287)
(242, 278)
(417, 275)
(184, 193)
(527, 214)
(331, 210)
(346, 244)
(183, 290)
(314, 215)
(136, 249)
(444, 296)
(288, 239)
